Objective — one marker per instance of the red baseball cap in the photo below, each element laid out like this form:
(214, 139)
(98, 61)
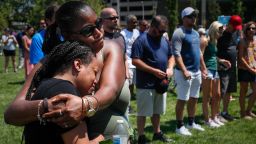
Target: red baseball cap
(236, 22)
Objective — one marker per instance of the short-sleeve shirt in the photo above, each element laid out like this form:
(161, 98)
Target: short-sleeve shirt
(130, 37)
(226, 45)
(34, 132)
(36, 52)
(10, 44)
(155, 54)
(186, 43)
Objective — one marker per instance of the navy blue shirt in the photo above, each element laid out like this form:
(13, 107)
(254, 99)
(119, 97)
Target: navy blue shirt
(186, 43)
(153, 53)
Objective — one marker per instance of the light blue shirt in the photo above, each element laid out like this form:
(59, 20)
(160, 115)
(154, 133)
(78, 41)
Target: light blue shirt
(36, 53)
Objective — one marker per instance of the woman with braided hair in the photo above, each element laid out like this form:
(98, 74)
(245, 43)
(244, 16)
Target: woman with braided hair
(77, 21)
(69, 68)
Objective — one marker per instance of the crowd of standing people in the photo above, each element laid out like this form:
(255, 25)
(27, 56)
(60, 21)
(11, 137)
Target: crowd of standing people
(91, 68)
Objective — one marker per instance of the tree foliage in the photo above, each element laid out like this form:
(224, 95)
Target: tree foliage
(97, 5)
(31, 11)
(192, 3)
(214, 11)
(172, 10)
(238, 8)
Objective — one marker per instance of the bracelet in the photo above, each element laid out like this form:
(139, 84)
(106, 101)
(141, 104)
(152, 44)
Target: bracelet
(98, 106)
(84, 103)
(45, 105)
(39, 116)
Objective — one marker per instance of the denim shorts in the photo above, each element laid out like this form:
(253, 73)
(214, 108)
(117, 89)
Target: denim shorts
(212, 74)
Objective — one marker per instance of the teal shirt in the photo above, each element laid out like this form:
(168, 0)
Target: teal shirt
(210, 56)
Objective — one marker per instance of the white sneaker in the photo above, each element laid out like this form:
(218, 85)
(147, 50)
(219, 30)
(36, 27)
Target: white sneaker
(217, 121)
(195, 126)
(183, 131)
(212, 124)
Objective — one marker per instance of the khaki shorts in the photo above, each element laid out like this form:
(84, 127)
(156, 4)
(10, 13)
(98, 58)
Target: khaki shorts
(149, 102)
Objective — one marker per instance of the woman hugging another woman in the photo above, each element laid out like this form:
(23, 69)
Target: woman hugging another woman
(70, 68)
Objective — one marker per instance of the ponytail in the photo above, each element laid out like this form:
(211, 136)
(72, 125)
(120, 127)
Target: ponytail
(52, 38)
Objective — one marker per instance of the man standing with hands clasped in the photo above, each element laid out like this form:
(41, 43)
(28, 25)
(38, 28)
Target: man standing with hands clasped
(151, 54)
(189, 61)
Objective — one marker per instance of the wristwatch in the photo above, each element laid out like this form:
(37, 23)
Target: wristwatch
(91, 111)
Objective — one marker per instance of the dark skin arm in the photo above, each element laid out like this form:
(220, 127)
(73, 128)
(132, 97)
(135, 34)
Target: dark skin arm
(21, 111)
(111, 81)
(113, 74)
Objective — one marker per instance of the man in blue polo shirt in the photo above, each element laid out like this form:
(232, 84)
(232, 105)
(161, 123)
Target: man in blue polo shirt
(36, 53)
(151, 54)
(188, 57)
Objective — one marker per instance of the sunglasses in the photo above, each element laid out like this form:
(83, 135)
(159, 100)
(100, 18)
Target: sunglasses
(161, 31)
(89, 29)
(112, 18)
(251, 28)
(193, 15)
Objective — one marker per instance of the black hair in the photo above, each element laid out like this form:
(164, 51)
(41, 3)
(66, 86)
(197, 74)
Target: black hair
(50, 12)
(67, 18)
(28, 27)
(156, 21)
(58, 61)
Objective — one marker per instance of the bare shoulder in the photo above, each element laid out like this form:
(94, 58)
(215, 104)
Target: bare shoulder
(110, 47)
(204, 39)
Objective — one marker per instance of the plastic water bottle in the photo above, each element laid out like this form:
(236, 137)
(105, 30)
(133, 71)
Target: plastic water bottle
(120, 135)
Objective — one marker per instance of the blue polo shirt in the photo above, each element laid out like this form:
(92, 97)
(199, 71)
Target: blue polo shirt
(36, 53)
(153, 53)
(186, 43)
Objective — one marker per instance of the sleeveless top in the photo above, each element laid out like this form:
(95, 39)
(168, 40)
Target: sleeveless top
(250, 55)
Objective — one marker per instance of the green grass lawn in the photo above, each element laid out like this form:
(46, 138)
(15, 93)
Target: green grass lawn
(236, 132)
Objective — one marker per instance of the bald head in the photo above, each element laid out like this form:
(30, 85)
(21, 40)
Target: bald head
(108, 12)
(109, 19)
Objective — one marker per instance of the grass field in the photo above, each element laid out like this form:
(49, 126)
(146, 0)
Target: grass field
(236, 132)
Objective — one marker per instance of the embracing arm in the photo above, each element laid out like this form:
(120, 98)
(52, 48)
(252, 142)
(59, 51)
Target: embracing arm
(113, 74)
(21, 111)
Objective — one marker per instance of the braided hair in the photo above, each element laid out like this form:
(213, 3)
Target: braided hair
(58, 61)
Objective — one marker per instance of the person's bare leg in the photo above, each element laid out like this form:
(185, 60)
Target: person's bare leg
(14, 63)
(191, 107)
(206, 87)
(141, 120)
(155, 120)
(243, 91)
(6, 61)
(179, 109)
(215, 103)
(226, 100)
(252, 98)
